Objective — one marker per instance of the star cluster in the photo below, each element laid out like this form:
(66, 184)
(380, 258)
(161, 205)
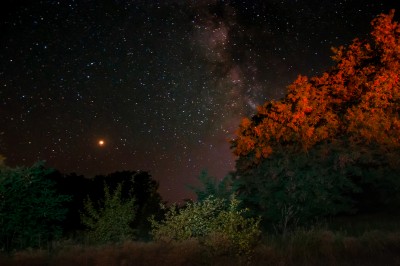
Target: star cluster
(163, 84)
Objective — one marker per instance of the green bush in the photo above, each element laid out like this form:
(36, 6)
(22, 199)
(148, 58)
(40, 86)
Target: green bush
(109, 222)
(219, 226)
(30, 208)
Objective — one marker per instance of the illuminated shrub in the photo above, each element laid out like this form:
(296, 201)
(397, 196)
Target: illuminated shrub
(219, 226)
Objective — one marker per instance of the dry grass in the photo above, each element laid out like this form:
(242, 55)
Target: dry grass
(312, 247)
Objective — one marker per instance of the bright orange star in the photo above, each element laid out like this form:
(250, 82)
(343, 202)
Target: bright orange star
(101, 143)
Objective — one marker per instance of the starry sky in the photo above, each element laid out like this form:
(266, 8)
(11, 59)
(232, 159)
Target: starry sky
(94, 87)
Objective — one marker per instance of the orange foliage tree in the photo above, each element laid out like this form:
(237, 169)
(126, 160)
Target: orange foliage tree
(330, 138)
(359, 97)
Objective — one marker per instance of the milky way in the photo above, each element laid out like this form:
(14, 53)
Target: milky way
(163, 84)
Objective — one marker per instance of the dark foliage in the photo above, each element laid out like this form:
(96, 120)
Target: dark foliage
(211, 186)
(31, 210)
(138, 185)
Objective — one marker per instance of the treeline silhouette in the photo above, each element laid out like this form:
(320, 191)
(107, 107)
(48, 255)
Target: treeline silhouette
(135, 184)
(39, 204)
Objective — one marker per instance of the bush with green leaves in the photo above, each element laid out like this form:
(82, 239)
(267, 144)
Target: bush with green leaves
(217, 225)
(240, 232)
(30, 208)
(110, 220)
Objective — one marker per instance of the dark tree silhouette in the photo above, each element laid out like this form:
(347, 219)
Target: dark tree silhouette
(31, 210)
(135, 184)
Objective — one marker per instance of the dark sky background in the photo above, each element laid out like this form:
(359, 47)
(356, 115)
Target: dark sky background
(163, 83)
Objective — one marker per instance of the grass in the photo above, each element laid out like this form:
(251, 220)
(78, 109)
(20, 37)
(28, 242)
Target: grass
(361, 240)
(358, 225)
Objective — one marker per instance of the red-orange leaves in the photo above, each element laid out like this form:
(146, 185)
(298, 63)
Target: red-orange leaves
(386, 33)
(245, 123)
(358, 98)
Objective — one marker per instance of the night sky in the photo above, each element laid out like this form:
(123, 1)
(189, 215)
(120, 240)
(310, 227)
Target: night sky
(164, 84)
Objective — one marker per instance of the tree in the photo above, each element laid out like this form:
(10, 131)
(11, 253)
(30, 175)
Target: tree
(110, 221)
(289, 189)
(345, 117)
(30, 208)
(210, 186)
(78, 187)
(138, 185)
(359, 97)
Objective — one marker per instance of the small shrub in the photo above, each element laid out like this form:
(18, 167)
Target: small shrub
(241, 233)
(192, 221)
(111, 221)
(221, 228)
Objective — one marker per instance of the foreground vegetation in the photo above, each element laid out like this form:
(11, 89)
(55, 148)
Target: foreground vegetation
(377, 245)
